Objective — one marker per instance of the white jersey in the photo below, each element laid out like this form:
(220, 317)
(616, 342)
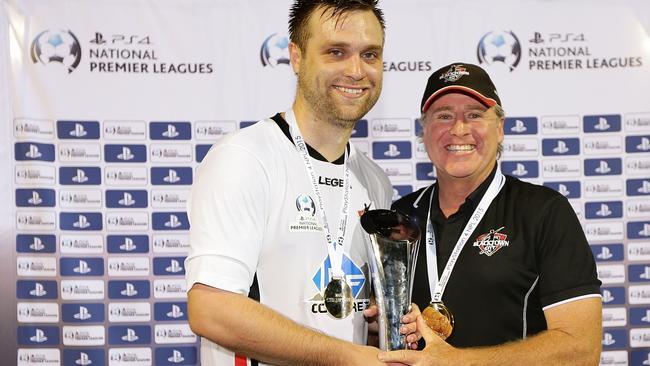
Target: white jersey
(252, 212)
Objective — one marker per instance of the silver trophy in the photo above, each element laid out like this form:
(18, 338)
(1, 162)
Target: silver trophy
(393, 249)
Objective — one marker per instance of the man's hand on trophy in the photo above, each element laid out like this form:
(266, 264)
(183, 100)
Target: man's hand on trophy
(372, 315)
(409, 328)
(436, 353)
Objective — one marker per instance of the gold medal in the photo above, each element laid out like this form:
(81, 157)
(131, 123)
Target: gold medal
(439, 318)
(338, 298)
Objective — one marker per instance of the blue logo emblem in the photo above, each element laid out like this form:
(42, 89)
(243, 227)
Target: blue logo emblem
(82, 266)
(244, 124)
(38, 335)
(126, 199)
(613, 295)
(614, 339)
(170, 130)
(520, 126)
(596, 167)
(602, 123)
(129, 334)
(56, 47)
(80, 221)
(28, 289)
(125, 153)
(171, 266)
(635, 144)
(424, 171)
(176, 356)
(557, 147)
(604, 210)
(201, 152)
(638, 272)
(275, 50)
(170, 221)
(637, 187)
(132, 289)
(35, 197)
(171, 176)
(82, 313)
(77, 130)
(84, 357)
(521, 169)
(29, 151)
(81, 175)
(499, 47)
(567, 189)
(35, 243)
(127, 243)
(607, 252)
(170, 311)
(353, 275)
(638, 230)
(391, 150)
(400, 191)
(640, 316)
(360, 129)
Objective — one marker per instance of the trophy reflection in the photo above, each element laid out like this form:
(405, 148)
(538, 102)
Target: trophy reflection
(393, 249)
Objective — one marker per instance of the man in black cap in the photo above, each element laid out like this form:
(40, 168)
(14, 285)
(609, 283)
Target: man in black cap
(505, 274)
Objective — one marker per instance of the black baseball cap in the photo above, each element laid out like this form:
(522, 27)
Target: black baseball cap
(460, 77)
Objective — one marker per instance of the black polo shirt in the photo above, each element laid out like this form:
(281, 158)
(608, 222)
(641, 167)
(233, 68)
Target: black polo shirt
(542, 259)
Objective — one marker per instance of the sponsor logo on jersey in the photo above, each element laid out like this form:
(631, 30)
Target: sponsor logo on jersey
(491, 242)
(355, 276)
(306, 219)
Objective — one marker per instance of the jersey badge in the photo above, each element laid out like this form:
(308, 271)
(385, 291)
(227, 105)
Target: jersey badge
(306, 219)
(491, 242)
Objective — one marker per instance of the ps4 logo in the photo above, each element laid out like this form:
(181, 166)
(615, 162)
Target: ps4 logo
(122, 39)
(564, 37)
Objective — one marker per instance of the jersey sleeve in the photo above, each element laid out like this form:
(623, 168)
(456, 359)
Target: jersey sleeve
(567, 269)
(227, 210)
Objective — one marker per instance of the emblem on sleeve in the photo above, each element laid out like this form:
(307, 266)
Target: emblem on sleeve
(491, 242)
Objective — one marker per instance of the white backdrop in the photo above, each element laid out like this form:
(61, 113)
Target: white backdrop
(112, 129)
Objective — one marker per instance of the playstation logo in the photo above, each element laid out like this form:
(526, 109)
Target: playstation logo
(603, 168)
(129, 290)
(78, 131)
(174, 267)
(645, 187)
(171, 132)
(126, 154)
(644, 145)
(172, 177)
(130, 336)
(602, 124)
(127, 200)
(176, 312)
(128, 245)
(392, 151)
(39, 336)
(563, 190)
(173, 222)
(605, 253)
(38, 290)
(608, 339)
(646, 230)
(646, 318)
(519, 127)
(37, 244)
(35, 199)
(176, 357)
(82, 222)
(561, 148)
(99, 39)
(607, 296)
(537, 38)
(33, 152)
(604, 211)
(82, 268)
(80, 177)
(646, 273)
(83, 359)
(83, 314)
(520, 170)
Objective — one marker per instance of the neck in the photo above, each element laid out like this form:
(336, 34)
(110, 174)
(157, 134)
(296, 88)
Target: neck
(329, 137)
(453, 191)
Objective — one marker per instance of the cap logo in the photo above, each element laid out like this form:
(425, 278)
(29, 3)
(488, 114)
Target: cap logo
(454, 73)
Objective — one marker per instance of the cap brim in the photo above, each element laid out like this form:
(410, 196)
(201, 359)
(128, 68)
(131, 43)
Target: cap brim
(465, 90)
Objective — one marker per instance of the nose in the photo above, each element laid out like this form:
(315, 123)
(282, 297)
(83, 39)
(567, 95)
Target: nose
(459, 127)
(354, 68)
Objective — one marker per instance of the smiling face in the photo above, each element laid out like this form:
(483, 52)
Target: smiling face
(461, 137)
(340, 70)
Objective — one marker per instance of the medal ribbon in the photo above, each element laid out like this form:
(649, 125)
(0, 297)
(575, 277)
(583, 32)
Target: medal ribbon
(437, 286)
(335, 248)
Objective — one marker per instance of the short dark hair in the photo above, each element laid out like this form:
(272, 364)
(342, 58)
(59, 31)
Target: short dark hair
(301, 10)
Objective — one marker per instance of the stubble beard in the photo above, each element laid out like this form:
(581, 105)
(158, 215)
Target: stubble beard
(326, 108)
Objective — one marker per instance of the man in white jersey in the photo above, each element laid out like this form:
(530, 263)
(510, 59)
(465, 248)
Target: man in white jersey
(275, 209)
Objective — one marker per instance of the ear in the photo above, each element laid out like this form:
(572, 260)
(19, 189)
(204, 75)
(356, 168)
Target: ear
(295, 55)
(500, 129)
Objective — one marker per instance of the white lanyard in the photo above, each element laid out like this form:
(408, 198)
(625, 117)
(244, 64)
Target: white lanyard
(335, 248)
(437, 287)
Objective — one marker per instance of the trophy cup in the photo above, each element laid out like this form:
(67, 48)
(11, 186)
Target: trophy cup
(393, 250)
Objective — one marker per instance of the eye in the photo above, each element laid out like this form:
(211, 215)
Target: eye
(474, 115)
(370, 55)
(336, 52)
(443, 116)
